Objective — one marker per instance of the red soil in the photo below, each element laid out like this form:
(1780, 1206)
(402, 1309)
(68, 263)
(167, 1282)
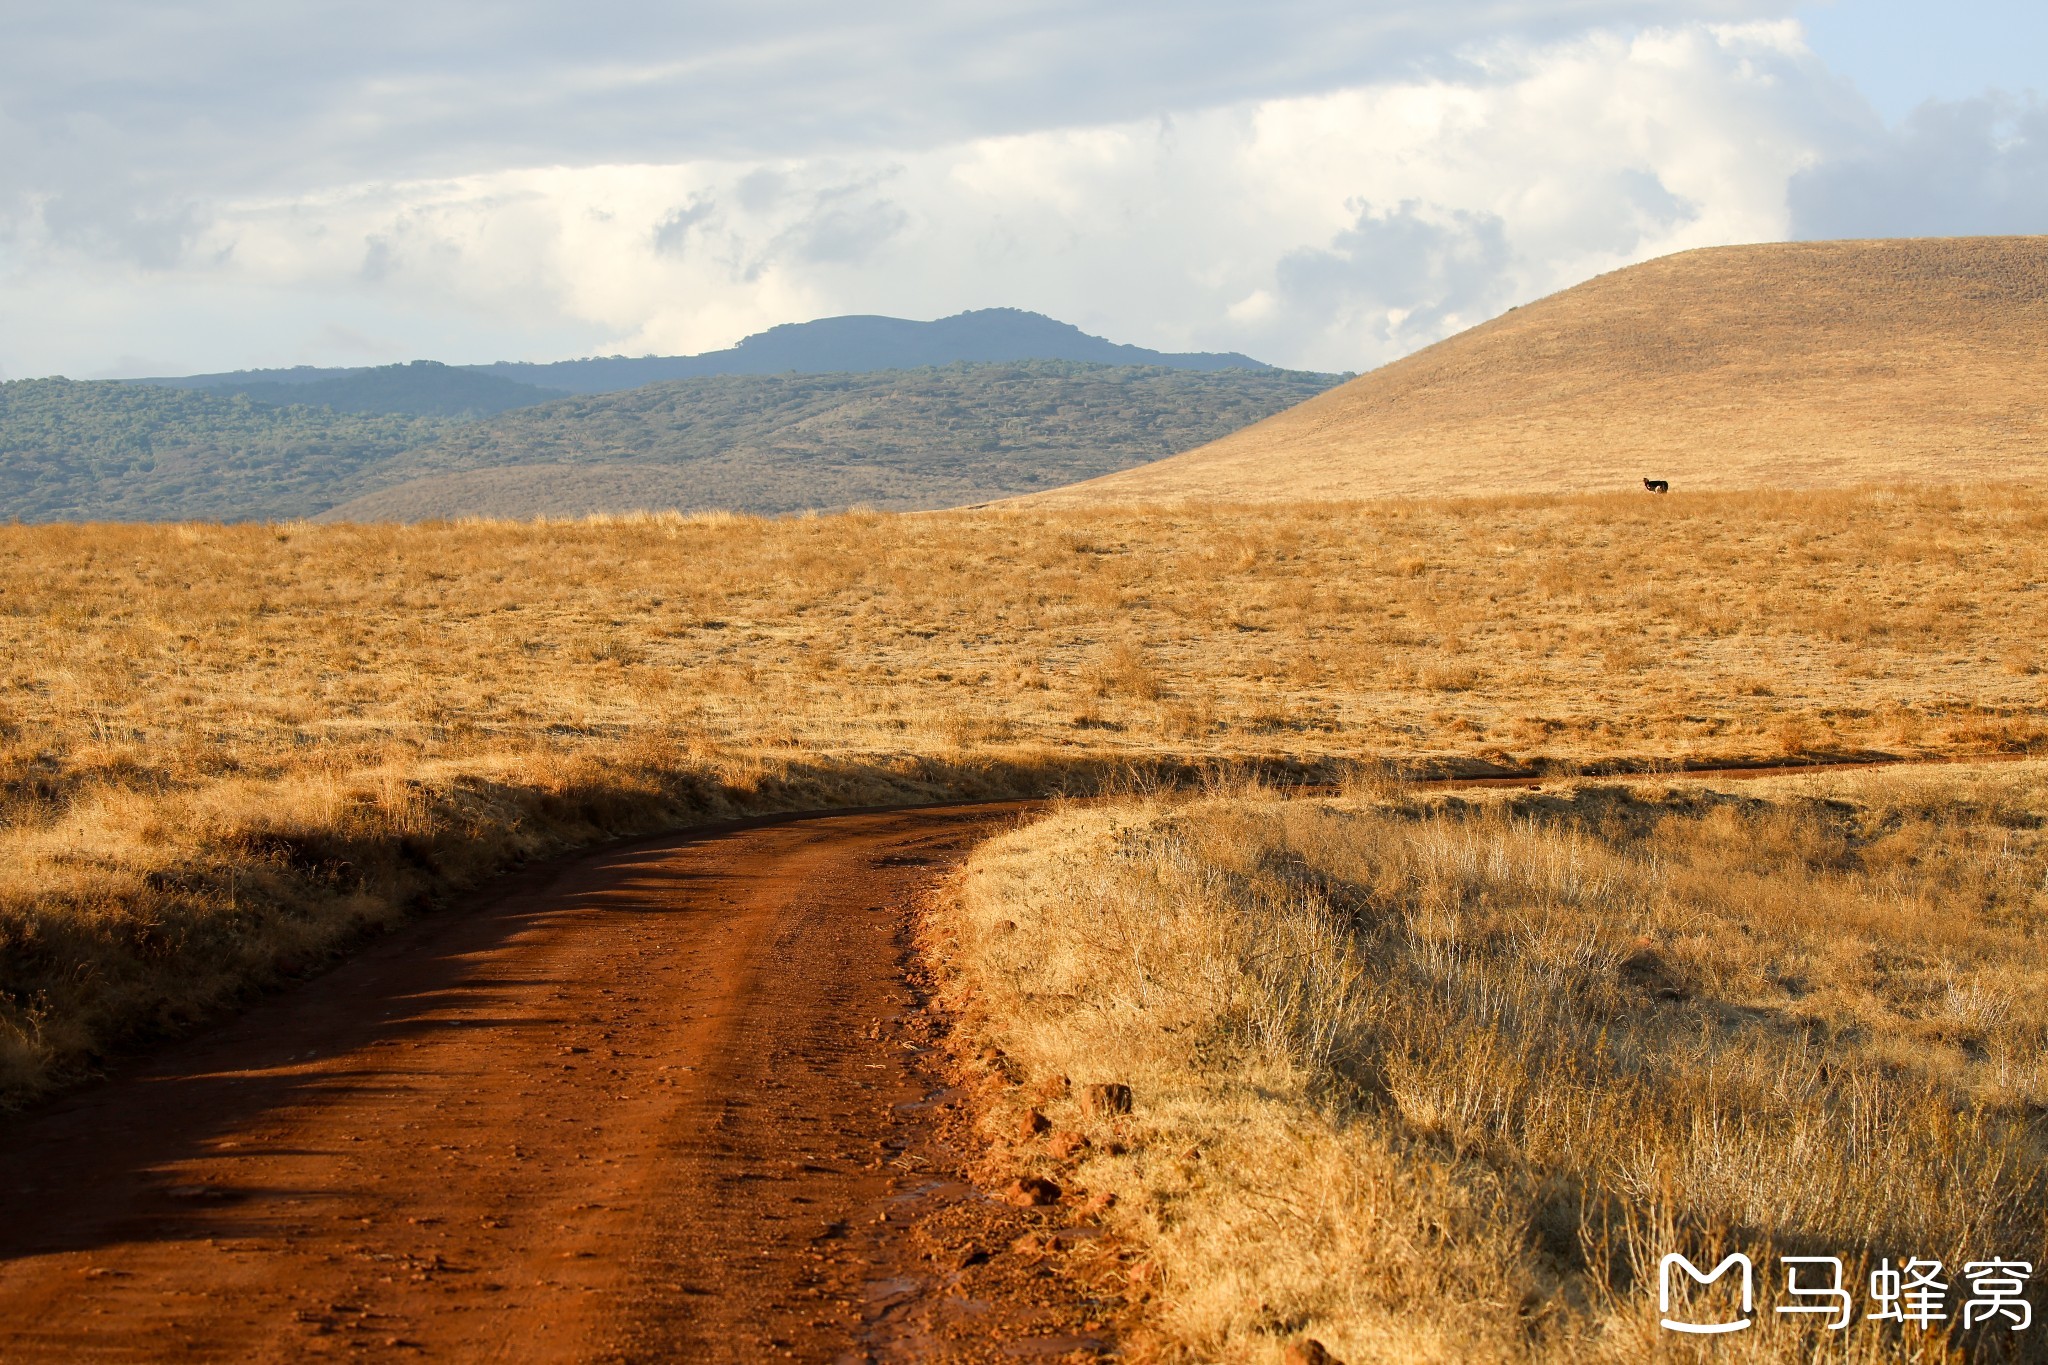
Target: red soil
(676, 1101)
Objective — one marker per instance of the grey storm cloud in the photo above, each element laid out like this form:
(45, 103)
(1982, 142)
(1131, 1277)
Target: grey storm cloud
(98, 219)
(1952, 168)
(1428, 265)
(122, 109)
(851, 231)
(672, 233)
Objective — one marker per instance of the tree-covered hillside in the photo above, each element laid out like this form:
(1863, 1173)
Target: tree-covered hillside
(896, 439)
(1005, 420)
(425, 388)
(761, 443)
(72, 451)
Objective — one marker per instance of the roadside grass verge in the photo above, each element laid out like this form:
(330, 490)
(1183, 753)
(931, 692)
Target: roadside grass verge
(1440, 1077)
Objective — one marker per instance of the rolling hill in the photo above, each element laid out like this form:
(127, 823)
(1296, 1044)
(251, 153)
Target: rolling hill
(1815, 364)
(897, 439)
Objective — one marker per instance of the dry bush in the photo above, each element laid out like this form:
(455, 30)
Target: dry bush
(1124, 672)
(1442, 1078)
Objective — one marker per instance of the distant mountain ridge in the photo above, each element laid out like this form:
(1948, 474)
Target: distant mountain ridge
(855, 344)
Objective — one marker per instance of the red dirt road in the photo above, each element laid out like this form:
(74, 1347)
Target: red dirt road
(675, 1101)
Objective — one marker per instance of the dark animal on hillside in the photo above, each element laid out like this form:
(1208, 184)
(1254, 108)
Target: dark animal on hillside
(1657, 485)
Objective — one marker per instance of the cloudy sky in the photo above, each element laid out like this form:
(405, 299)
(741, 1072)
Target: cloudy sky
(211, 184)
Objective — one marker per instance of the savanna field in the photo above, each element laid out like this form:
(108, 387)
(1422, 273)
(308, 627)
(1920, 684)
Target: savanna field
(614, 751)
(1504, 1046)
(1441, 1077)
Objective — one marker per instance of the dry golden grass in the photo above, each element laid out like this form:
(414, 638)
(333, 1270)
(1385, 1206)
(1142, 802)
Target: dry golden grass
(1795, 365)
(1441, 1078)
(222, 749)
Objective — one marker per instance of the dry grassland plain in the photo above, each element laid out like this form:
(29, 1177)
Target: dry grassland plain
(223, 751)
(1442, 1077)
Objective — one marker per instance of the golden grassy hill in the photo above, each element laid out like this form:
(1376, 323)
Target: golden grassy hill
(1811, 364)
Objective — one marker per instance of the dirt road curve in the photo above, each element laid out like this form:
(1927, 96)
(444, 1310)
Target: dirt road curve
(670, 1102)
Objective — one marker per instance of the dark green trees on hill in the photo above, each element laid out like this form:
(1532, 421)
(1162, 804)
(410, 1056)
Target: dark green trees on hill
(423, 388)
(116, 452)
(767, 443)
